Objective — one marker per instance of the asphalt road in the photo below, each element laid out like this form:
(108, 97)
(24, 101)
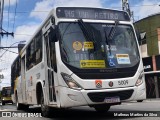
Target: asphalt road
(125, 111)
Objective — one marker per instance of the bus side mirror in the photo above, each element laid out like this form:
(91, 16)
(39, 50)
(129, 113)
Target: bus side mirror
(53, 34)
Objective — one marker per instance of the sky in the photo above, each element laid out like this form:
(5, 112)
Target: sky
(23, 17)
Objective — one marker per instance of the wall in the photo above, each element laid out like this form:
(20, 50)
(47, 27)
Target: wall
(150, 25)
(143, 49)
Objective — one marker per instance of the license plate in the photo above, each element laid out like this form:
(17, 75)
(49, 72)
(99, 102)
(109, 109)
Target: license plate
(112, 99)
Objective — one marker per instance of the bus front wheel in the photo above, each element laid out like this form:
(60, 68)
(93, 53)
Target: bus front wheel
(18, 105)
(44, 108)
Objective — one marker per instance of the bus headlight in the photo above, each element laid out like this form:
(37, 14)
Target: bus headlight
(140, 80)
(70, 82)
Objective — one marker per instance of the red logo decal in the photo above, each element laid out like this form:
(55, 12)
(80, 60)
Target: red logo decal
(98, 83)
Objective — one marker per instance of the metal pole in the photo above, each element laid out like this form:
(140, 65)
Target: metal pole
(156, 86)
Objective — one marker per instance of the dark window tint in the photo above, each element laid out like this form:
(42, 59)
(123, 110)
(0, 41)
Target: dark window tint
(34, 51)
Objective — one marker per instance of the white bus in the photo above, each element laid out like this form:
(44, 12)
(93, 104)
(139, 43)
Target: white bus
(80, 56)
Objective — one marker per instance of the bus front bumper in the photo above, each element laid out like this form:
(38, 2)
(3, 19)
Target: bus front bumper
(71, 98)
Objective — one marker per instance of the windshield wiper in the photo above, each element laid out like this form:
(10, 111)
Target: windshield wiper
(110, 35)
(85, 30)
(113, 30)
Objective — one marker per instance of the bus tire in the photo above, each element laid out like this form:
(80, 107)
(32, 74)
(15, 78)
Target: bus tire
(139, 100)
(45, 110)
(102, 108)
(25, 107)
(18, 105)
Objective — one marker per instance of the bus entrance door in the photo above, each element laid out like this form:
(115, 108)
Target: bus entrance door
(50, 50)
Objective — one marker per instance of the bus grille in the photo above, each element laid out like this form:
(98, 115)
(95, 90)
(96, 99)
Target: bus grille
(100, 96)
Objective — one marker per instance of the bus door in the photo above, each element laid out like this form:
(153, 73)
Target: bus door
(51, 62)
(23, 78)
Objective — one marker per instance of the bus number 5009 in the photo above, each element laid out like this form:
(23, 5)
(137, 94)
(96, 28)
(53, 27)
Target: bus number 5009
(123, 82)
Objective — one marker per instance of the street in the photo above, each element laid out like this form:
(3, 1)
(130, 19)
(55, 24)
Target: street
(128, 110)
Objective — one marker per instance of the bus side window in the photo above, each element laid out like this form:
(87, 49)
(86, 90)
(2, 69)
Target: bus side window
(38, 56)
(34, 52)
(53, 55)
(38, 49)
(52, 40)
(30, 55)
(27, 58)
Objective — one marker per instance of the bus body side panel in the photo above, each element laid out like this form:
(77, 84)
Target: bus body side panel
(32, 76)
(16, 84)
(19, 90)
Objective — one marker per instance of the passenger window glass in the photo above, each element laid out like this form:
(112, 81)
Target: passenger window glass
(34, 51)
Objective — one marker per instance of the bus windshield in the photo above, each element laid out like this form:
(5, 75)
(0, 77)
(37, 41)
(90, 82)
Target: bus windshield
(96, 46)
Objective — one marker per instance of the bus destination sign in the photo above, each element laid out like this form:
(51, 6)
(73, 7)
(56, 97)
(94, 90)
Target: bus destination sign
(91, 13)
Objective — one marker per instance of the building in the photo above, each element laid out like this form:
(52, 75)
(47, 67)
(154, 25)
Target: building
(149, 29)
